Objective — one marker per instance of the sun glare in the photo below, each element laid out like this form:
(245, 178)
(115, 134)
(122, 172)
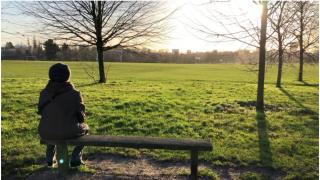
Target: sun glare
(185, 35)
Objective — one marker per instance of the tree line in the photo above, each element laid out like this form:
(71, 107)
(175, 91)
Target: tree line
(50, 50)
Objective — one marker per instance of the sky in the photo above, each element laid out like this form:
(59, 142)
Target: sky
(185, 23)
(193, 14)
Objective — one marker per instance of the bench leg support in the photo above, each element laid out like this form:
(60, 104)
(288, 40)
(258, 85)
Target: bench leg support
(63, 159)
(194, 165)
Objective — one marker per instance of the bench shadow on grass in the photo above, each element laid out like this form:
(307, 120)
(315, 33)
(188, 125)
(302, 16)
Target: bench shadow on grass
(264, 143)
(45, 172)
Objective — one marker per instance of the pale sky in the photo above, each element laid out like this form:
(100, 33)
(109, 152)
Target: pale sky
(196, 12)
(185, 22)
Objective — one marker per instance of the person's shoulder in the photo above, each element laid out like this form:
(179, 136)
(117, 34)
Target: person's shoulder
(73, 89)
(76, 92)
(43, 91)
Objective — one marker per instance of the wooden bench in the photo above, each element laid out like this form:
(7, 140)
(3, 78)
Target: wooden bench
(193, 145)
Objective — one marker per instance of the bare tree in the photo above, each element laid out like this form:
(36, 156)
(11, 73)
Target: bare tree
(224, 28)
(306, 29)
(281, 20)
(104, 24)
(238, 27)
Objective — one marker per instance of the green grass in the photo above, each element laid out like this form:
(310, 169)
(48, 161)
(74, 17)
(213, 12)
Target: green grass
(214, 102)
(252, 176)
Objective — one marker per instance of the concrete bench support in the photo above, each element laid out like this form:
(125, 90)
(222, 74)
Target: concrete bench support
(62, 158)
(194, 164)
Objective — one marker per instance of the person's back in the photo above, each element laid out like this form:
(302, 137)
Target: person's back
(61, 118)
(62, 112)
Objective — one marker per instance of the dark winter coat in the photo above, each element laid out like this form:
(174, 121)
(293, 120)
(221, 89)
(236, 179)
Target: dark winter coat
(62, 112)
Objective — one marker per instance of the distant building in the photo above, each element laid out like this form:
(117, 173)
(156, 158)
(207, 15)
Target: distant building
(198, 59)
(188, 51)
(163, 51)
(175, 52)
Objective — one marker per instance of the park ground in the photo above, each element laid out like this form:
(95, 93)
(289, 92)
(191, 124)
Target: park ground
(209, 101)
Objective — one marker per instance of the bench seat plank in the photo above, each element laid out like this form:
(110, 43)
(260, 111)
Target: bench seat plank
(136, 142)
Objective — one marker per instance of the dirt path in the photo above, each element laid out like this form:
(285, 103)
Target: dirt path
(110, 166)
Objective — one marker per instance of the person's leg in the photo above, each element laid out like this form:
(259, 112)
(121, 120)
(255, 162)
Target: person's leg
(76, 156)
(50, 154)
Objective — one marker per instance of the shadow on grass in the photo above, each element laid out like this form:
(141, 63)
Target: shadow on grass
(264, 143)
(53, 174)
(308, 84)
(21, 169)
(291, 97)
(304, 83)
(88, 84)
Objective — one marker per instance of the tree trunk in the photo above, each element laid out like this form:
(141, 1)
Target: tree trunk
(280, 68)
(301, 65)
(301, 58)
(101, 64)
(301, 43)
(98, 27)
(280, 59)
(262, 57)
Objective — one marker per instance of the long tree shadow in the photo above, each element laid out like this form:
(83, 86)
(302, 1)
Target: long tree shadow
(88, 84)
(308, 84)
(264, 143)
(304, 83)
(291, 97)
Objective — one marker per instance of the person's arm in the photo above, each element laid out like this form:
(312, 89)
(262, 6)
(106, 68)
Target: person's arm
(40, 103)
(81, 111)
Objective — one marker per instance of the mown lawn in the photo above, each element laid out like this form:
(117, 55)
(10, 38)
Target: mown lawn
(214, 102)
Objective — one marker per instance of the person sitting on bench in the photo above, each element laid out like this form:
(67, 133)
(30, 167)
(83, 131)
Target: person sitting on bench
(62, 113)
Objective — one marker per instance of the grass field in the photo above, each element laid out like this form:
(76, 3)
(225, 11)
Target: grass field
(214, 102)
